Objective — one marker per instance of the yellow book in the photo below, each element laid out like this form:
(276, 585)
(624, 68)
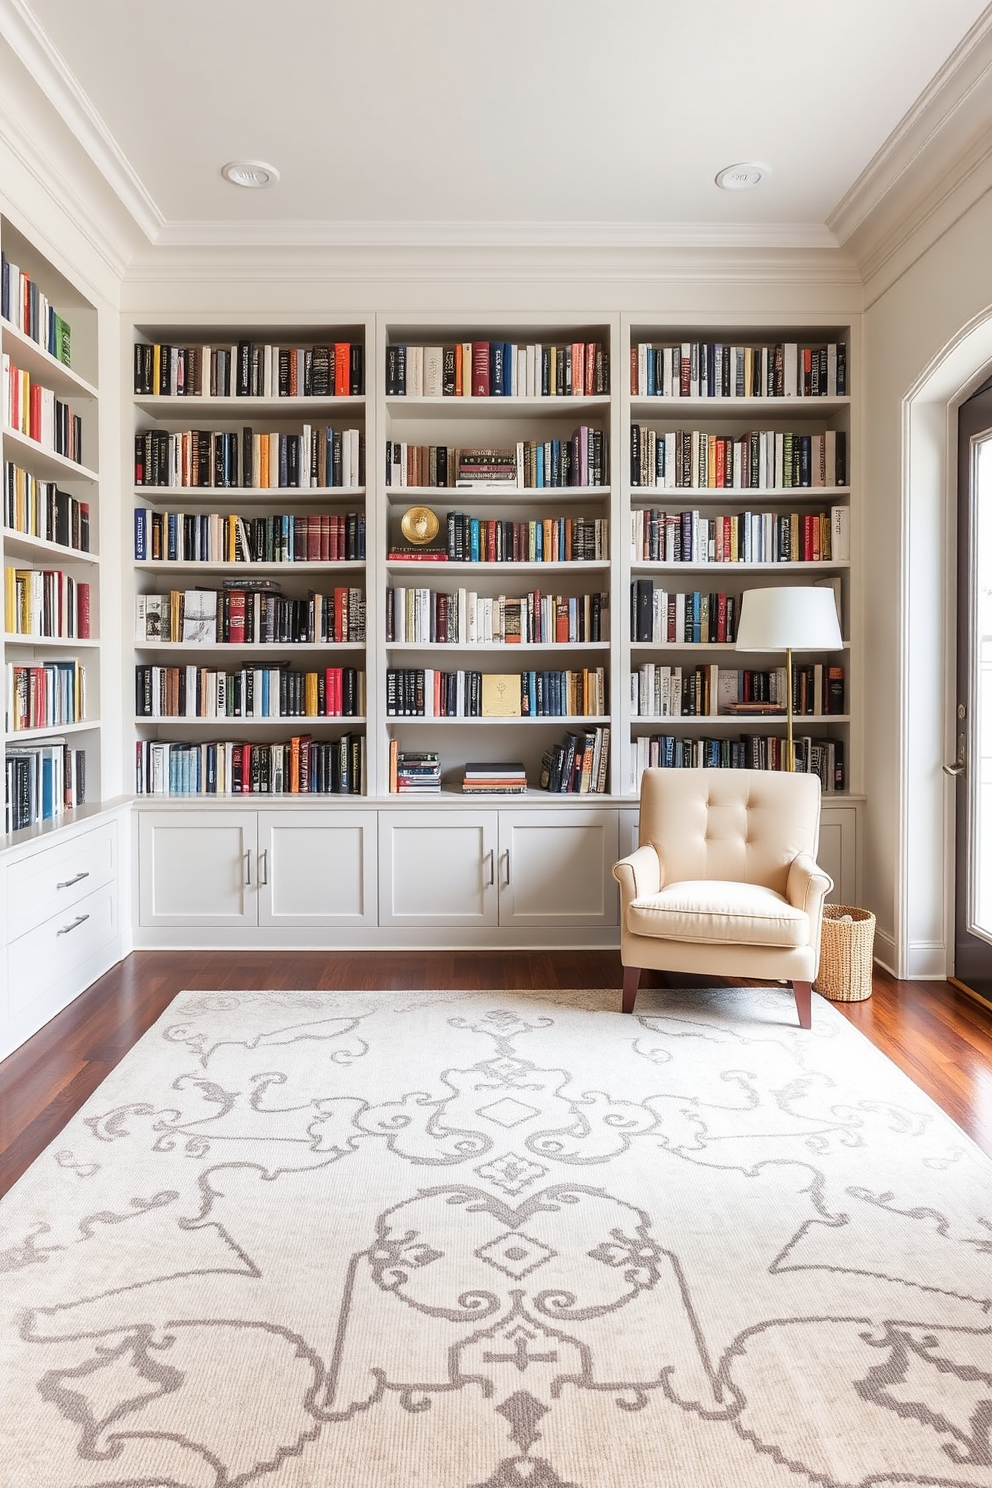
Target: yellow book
(310, 694)
(500, 695)
(10, 600)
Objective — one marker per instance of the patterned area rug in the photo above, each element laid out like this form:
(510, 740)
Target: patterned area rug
(499, 1240)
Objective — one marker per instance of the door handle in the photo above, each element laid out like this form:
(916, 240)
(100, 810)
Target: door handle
(67, 883)
(248, 869)
(491, 855)
(960, 765)
(263, 867)
(506, 862)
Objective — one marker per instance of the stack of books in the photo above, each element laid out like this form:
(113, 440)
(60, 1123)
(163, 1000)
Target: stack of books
(415, 772)
(495, 779)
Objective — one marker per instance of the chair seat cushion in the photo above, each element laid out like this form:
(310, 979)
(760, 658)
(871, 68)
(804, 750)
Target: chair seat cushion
(717, 910)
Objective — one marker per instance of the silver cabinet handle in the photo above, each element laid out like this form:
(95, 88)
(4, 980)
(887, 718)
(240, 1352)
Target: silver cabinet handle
(491, 855)
(75, 924)
(248, 869)
(506, 860)
(67, 883)
(960, 765)
(263, 867)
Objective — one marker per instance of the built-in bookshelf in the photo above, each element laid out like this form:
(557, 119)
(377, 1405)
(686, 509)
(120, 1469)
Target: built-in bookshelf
(497, 462)
(250, 539)
(740, 473)
(49, 445)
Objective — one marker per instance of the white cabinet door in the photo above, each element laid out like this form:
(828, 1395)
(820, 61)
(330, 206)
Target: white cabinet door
(317, 869)
(838, 851)
(437, 868)
(556, 867)
(197, 868)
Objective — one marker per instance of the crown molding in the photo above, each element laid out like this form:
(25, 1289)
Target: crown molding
(565, 262)
(45, 65)
(926, 156)
(462, 234)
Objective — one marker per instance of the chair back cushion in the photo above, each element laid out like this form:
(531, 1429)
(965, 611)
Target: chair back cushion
(743, 825)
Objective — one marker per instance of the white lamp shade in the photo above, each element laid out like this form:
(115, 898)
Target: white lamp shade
(800, 619)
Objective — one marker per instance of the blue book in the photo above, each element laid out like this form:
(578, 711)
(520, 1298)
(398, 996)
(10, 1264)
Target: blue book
(473, 540)
(140, 533)
(652, 372)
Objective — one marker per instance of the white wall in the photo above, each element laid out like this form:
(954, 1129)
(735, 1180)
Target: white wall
(928, 344)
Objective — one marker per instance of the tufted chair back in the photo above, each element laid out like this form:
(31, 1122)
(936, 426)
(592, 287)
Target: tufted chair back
(746, 826)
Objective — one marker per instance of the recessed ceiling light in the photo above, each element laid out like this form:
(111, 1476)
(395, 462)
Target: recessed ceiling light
(742, 177)
(254, 174)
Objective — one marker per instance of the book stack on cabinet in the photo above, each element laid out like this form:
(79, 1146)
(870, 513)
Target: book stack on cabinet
(250, 558)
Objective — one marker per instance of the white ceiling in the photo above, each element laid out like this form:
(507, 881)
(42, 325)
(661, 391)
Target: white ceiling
(490, 120)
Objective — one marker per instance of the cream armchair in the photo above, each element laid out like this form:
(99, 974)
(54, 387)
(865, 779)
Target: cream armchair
(725, 880)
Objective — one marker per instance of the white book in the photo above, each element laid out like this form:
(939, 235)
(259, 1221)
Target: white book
(790, 364)
(200, 616)
(840, 534)
(433, 371)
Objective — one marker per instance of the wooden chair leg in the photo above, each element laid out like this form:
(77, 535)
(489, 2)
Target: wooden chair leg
(631, 982)
(803, 993)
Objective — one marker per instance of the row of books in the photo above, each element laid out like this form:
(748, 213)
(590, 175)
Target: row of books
(710, 690)
(31, 311)
(252, 692)
(33, 410)
(45, 602)
(743, 537)
(530, 464)
(249, 369)
(249, 459)
(579, 765)
(823, 757)
(422, 692)
(413, 772)
(543, 540)
(694, 618)
(761, 458)
(428, 616)
(711, 369)
(241, 616)
(298, 766)
(497, 369)
(37, 508)
(215, 537)
(49, 694)
(42, 782)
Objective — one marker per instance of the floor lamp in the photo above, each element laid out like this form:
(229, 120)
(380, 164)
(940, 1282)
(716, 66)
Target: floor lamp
(789, 619)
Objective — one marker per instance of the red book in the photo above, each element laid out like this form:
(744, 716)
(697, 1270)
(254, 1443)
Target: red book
(325, 538)
(236, 615)
(342, 368)
(578, 368)
(480, 369)
(634, 387)
(459, 370)
(313, 539)
(83, 610)
(590, 383)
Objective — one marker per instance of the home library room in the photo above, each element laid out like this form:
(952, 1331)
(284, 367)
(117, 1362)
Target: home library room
(59, 885)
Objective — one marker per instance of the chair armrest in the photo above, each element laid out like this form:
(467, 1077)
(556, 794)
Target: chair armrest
(806, 889)
(640, 873)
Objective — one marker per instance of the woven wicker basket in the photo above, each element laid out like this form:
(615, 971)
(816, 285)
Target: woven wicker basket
(845, 953)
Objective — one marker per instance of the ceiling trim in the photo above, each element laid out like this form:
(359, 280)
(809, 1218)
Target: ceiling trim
(314, 263)
(945, 112)
(461, 234)
(45, 64)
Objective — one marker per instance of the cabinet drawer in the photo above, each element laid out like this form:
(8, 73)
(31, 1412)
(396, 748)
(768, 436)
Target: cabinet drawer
(60, 949)
(51, 881)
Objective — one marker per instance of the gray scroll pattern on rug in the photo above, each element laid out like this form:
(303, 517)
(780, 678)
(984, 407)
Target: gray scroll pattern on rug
(303, 1240)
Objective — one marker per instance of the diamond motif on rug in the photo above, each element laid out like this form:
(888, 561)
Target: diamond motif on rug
(508, 1112)
(515, 1254)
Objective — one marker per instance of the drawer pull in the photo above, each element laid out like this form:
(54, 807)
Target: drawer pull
(75, 924)
(67, 883)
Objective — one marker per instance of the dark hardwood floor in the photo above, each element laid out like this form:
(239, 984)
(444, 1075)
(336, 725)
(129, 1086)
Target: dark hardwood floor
(938, 1035)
